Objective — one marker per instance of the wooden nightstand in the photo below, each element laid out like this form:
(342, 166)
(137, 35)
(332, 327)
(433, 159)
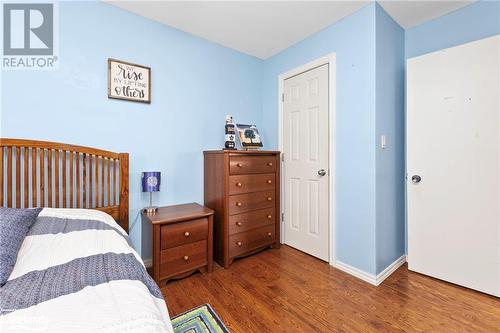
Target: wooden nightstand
(182, 240)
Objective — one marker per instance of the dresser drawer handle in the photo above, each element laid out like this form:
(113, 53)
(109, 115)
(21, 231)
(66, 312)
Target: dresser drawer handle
(269, 199)
(238, 204)
(187, 234)
(239, 243)
(239, 165)
(238, 224)
(186, 258)
(239, 184)
(269, 217)
(269, 234)
(269, 181)
(270, 164)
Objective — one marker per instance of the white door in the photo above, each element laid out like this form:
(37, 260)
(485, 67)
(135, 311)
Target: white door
(305, 148)
(453, 165)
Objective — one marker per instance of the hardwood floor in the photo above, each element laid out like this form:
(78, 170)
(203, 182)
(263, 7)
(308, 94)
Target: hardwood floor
(286, 290)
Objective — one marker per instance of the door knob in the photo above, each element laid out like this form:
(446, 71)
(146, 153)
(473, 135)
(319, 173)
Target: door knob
(322, 172)
(415, 179)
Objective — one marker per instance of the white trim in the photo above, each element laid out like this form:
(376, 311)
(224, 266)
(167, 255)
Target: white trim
(367, 277)
(371, 278)
(329, 59)
(390, 269)
(148, 262)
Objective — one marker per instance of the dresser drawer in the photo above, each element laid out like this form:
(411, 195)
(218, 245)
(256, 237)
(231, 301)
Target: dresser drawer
(250, 240)
(251, 220)
(183, 258)
(176, 234)
(251, 183)
(251, 201)
(251, 164)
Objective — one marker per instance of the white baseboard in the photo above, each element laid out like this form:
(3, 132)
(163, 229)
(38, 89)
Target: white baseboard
(367, 277)
(147, 262)
(371, 278)
(390, 269)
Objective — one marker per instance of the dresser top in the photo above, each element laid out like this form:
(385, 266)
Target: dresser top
(243, 152)
(177, 213)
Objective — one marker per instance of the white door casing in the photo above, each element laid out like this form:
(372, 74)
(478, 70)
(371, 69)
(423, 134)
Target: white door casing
(453, 144)
(306, 155)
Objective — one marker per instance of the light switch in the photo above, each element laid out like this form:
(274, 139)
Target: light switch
(383, 141)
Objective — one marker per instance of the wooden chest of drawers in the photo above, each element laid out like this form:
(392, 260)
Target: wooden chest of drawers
(182, 240)
(242, 187)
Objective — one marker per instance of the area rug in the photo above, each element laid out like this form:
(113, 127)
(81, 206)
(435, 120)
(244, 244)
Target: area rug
(202, 319)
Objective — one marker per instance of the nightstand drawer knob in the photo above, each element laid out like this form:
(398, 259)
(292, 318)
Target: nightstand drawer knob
(186, 258)
(239, 165)
(269, 217)
(270, 164)
(239, 243)
(239, 184)
(238, 204)
(269, 234)
(269, 198)
(269, 181)
(238, 224)
(187, 234)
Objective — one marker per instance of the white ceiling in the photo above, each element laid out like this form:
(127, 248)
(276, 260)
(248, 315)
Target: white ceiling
(264, 28)
(412, 13)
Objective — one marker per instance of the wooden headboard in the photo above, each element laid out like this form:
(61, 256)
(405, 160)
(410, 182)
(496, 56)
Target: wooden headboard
(50, 174)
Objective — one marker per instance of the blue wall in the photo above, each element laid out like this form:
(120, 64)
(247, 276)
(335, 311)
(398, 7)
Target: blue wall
(353, 41)
(369, 47)
(390, 162)
(476, 21)
(195, 83)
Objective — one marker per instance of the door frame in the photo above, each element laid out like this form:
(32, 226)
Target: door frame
(329, 59)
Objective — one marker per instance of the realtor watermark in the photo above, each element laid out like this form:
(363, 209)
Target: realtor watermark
(30, 35)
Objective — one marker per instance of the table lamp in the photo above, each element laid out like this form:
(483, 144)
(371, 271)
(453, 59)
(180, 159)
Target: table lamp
(151, 183)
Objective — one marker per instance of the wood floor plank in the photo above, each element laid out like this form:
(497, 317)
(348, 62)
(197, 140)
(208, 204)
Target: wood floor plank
(286, 290)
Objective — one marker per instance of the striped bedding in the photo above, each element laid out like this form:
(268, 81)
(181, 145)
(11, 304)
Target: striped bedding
(76, 272)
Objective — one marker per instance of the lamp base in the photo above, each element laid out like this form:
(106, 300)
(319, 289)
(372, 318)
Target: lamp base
(150, 210)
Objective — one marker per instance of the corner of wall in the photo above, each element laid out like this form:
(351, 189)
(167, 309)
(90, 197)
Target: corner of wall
(389, 121)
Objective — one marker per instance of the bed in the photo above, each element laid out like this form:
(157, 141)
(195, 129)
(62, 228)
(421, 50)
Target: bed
(76, 270)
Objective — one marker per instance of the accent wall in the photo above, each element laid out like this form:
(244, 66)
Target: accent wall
(195, 83)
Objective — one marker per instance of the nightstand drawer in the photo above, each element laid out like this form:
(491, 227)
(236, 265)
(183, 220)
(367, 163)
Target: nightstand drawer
(251, 183)
(251, 240)
(181, 233)
(251, 201)
(183, 258)
(252, 220)
(239, 165)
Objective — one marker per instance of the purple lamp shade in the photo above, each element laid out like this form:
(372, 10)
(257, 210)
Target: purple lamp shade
(151, 181)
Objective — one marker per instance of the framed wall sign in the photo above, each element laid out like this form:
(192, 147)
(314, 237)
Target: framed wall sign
(129, 81)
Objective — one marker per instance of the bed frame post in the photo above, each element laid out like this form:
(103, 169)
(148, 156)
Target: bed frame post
(123, 210)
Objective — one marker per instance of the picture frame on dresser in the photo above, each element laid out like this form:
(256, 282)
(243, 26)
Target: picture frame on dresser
(243, 188)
